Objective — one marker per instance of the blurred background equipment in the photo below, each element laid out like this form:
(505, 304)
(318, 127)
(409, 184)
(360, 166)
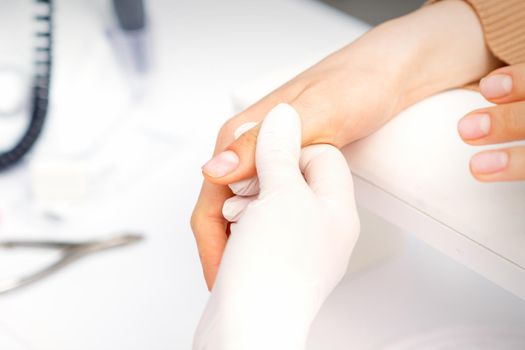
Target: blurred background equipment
(130, 36)
(376, 11)
(52, 177)
(131, 17)
(70, 252)
(126, 30)
(130, 14)
(40, 89)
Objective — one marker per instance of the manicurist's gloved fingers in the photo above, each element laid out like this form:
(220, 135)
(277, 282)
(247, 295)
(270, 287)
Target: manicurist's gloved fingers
(235, 206)
(278, 149)
(250, 186)
(326, 172)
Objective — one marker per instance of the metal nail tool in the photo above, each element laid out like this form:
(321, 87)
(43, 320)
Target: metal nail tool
(70, 252)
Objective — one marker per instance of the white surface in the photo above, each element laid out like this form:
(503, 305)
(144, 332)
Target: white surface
(420, 162)
(10, 343)
(419, 158)
(417, 295)
(150, 296)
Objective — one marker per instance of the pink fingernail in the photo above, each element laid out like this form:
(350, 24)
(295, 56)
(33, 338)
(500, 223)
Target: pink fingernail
(222, 164)
(474, 126)
(489, 162)
(497, 85)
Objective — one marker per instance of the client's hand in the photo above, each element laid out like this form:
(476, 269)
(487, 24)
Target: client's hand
(289, 246)
(502, 123)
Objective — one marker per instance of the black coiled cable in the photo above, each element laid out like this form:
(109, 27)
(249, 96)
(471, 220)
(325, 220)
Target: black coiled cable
(40, 90)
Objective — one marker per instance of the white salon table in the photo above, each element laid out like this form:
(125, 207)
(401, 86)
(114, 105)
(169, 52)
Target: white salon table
(461, 264)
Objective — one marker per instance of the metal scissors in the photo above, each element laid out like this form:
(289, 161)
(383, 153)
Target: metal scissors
(71, 251)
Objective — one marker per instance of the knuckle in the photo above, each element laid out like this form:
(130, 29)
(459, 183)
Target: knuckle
(311, 98)
(293, 88)
(196, 221)
(318, 112)
(513, 121)
(227, 129)
(248, 139)
(517, 71)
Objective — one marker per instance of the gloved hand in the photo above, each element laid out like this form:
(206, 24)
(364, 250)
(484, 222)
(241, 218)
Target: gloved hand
(289, 247)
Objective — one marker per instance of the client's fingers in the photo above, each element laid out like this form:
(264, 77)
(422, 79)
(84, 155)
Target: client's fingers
(499, 165)
(234, 159)
(248, 187)
(501, 123)
(236, 162)
(506, 84)
(209, 227)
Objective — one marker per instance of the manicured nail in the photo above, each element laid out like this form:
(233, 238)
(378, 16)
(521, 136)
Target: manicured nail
(243, 128)
(489, 162)
(495, 86)
(222, 164)
(474, 126)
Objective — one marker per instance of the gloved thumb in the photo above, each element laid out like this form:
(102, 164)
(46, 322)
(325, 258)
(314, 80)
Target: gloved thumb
(278, 149)
(250, 186)
(328, 176)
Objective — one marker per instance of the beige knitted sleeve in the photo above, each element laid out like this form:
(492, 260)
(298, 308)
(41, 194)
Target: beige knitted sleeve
(503, 24)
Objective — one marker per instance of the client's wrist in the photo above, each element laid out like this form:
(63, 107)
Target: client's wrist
(439, 47)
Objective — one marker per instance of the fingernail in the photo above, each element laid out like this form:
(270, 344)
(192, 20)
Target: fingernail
(489, 162)
(222, 164)
(243, 128)
(474, 126)
(497, 85)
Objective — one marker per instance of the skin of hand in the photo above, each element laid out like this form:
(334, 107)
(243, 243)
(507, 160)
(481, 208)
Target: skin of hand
(345, 97)
(289, 247)
(504, 122)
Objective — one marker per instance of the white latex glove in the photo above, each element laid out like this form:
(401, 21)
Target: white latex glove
(289, 247)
